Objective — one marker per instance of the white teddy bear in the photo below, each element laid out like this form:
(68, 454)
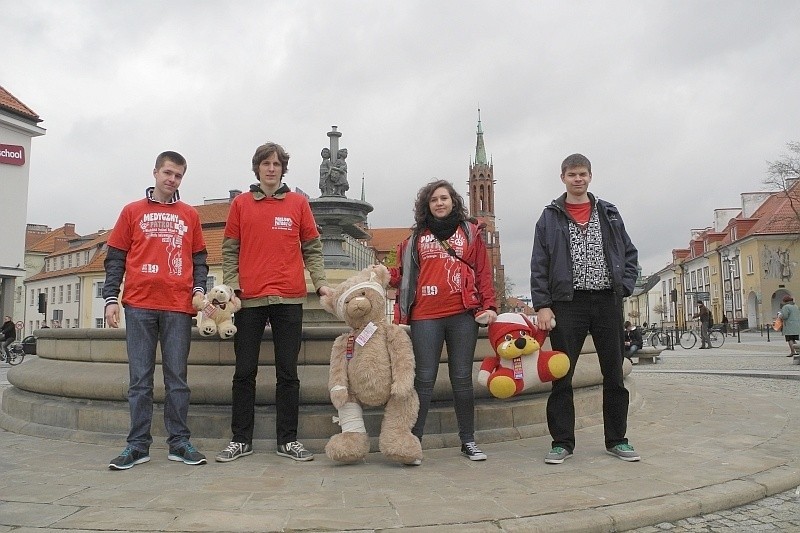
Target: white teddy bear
(215, 312)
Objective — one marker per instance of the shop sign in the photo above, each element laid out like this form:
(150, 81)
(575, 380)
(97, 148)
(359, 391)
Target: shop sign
(11, 154)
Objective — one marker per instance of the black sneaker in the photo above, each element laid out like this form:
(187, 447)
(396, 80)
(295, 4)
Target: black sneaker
(233, 451)
(187, 454)
(128, 459)
(471, 450)
(295, 450)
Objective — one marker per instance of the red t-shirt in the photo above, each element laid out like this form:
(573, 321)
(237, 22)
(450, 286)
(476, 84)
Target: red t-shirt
(160, 240)
(439, 283)
(270, 232)
(580, 212)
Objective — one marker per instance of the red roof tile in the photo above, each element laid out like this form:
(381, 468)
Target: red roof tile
(10, 103)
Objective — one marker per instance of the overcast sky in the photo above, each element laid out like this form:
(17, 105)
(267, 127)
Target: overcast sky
(678, 104)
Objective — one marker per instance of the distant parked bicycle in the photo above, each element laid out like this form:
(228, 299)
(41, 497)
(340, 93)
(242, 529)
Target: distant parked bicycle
(659, 338)
(14, 354)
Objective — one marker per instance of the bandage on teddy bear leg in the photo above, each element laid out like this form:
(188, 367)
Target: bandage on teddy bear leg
(396, 441)
(352, 444)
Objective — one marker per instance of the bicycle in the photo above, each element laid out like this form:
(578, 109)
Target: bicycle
(659, 338)
(14, 354)
(716, 337)
(688, 338)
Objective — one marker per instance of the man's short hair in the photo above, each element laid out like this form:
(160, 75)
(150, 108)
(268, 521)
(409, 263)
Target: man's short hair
(169, 155)
(576, 160)
(266, 150)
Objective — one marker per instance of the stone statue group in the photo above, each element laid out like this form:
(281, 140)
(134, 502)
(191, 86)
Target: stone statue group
(333, 174)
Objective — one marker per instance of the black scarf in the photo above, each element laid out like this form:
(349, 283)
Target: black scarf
(443, 228)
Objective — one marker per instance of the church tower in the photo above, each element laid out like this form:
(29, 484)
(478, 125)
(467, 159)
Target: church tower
(481, 206)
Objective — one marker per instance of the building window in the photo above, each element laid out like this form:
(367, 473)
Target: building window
(69, 293)
(61, 294)
(750, 269)
(19, 294)
(99, 289)
(66, 323)
(52, 295)
(99, 323)
(32, 297)
(69, 261)
(86, 256)
(210, 282)
(61, 262)
(77, 292)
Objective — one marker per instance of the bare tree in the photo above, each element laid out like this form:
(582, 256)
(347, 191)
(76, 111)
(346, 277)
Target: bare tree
(783, 176)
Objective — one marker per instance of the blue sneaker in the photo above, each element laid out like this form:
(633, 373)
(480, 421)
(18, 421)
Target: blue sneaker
(187, 454)
(129, 458)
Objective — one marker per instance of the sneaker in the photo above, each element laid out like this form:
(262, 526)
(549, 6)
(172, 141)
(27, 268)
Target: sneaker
(187, 454)
(234, 450)
(128, 459)
(624, 452)
(295, 450)
(471, 450)
(557, 455)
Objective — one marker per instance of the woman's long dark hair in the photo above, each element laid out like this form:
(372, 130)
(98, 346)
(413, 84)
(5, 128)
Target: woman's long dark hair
(422, 204)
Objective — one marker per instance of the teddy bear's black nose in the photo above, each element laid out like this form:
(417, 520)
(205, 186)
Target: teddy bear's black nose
(520, 343)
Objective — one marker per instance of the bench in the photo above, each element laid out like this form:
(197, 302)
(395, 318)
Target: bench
(650, 354)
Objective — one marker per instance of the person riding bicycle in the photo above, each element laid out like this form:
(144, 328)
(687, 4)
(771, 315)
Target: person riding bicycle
(8, 333)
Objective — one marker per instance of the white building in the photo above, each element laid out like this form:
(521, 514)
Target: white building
(18, 125)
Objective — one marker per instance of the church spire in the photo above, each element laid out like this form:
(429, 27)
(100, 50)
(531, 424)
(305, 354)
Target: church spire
(480, 149)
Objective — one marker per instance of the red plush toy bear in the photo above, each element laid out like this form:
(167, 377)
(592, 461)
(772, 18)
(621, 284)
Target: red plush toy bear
(519, 362)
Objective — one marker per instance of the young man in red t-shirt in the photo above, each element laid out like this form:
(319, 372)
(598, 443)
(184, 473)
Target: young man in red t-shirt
(157, 245)
(270, 236)
(583, 263)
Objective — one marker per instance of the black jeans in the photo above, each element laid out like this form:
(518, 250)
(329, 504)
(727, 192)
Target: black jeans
(598, 313)
(287, 331)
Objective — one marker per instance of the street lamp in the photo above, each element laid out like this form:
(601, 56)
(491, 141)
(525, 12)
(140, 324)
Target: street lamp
(730, 258)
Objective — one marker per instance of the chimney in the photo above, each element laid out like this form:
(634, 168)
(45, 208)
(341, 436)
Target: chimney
(69, 229)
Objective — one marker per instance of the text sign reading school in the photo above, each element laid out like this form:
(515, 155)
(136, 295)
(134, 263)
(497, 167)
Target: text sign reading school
(11, 154)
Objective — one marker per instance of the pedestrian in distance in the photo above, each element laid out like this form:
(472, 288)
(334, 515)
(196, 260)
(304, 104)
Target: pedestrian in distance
(790, 315)
(445, 290)
(583, 263)
(705, 325)
(8, 333)
(270, 237)
(157, 246)
(633, 340)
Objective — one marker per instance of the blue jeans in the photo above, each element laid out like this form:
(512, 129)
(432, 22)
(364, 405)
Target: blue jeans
(146, 328)
(598, 313)
(460, 332)
(287, 332)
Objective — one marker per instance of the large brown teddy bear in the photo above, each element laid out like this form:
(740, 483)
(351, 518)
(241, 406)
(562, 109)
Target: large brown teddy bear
(372, 365)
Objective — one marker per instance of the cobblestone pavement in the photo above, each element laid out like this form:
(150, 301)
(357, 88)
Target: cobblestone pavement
(753, 363)
(778, 513)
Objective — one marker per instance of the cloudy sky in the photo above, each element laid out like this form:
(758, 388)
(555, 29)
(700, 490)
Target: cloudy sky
(678, 104)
